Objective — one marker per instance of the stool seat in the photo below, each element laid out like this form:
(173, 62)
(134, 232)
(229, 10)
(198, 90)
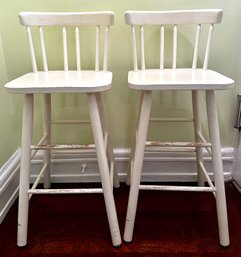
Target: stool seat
(61, 82)
(178, 79)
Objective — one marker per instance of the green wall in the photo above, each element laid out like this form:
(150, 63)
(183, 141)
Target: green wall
(120, 101)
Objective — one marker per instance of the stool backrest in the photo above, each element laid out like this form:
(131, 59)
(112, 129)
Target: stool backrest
(67, 21)
(177, 20)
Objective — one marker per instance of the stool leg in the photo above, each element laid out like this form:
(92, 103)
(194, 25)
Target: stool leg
(47, 133)
(197, 130)
(217, 169)
(27, 129)
(104, 169)
(133, 144)
(109, 150)
(137, 164)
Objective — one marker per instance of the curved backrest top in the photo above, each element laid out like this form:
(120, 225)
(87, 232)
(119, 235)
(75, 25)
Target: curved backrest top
(198, 16)
(103, 18)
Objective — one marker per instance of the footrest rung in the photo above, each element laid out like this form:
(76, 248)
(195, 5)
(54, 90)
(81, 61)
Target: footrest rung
(177, 188)
(169, 149)
(62, 147)
(178, 144)
(66, 191)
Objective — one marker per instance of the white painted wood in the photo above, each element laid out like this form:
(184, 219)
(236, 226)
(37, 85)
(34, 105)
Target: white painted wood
(134, 139)
(41, 141)
(162, 47)
(69, 121)
(197, 132)
(196, 47)
(178, 79)
(31, 48)
(191, 79)
(66, 191)
(108, 143)
(217, 169)
(97, 49)
(143, 65)
(205, 173)
(37, 180)
(134, 48)
(177, 188)
(61, 82)
(62, 147)
(65, 50)
(137, 165)
(177, 144)
(207, 52)
(201, 137)
(106, 49)
(77, 45)
(47, 141)
(43, 50)
(104, 18)
(64, 81)
(173, 17)
(171, 119)
(174, 59)
(104, 169)
(23, 205)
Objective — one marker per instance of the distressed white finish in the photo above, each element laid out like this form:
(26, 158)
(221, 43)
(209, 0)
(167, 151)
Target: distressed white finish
(191, 79)
(47, 82)
(66, 168)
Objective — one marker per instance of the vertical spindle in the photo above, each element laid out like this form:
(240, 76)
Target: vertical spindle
(66, 68)
(162, 46)
(206, 58)
(196, 47)
(43, 50)
(106, 46)
(97, 49)
(134, 47)
(77, 46)
(174, 60)
(30, 41)
(142, 48)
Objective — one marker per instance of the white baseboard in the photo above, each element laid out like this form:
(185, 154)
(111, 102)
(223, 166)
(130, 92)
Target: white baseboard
(68, 168)
(9, 177)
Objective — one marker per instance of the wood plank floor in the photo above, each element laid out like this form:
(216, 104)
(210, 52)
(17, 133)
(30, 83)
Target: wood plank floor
(167, 224)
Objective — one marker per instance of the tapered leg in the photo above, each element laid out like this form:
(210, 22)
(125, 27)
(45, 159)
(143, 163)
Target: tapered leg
(137, 164)
(109, 150)
(104, 169)
(47, 133)
(197, 130)
(217, 169)
(133, 144)
(27, 129)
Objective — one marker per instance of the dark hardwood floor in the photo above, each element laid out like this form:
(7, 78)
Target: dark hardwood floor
(167, 224)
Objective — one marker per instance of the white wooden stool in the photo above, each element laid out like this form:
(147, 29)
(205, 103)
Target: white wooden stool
(176, 25)
(91, 82)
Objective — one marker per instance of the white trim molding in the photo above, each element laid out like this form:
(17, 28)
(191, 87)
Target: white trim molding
(70, 167)
(9, 177)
